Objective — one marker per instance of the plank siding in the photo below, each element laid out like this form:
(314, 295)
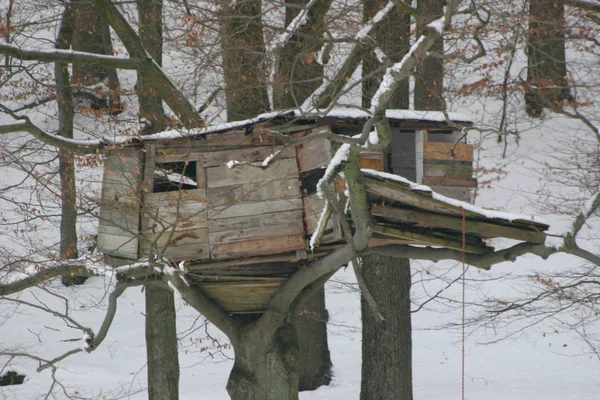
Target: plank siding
(224, 176)
(447, 151)
(120, 203)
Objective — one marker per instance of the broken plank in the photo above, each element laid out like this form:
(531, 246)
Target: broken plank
(484, 229)
(313, 154)
(428, 240)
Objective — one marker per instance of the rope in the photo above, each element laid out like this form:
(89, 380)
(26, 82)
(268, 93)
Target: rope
(464, 270)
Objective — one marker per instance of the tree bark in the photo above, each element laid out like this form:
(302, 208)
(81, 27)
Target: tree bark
(161, 333)
(87, 37)
(66, 164)
(161, 344)
(429, 74)
(387, 347)
(263, 370)
(244, 63)
(546, 65)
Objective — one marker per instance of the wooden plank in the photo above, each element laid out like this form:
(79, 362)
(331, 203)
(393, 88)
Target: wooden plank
(377, 165)
(149, 166)
(118, 229)
(240, 138)
(265, 246)
(118, 245)
(254, 208)
(458, 193)
(251, 234)
(313, 154)
(484, 229)
(251, 154)
(196, 251)
(200, 175)
(254, 191)
(186, 217)
(447, 151)
(180, 197)
(241, 297)
(285, 168)
(255, 221)
(423, 239)
(168, 238)
(447, 181)
(449, 169)
(313, 206)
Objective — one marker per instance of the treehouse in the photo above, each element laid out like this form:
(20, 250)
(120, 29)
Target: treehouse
(239, 207)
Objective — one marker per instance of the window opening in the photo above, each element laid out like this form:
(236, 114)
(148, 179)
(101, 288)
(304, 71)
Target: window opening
(175, 176)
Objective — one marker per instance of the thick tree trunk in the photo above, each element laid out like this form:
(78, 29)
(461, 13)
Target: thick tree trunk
(314, 361)
(265, 371)
(429, 74)
(387, 346)
(546, 65)
(161, 334)
(244, 63)
(161, 344)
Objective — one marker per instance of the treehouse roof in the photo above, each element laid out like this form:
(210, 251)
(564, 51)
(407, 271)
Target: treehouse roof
(341, 118)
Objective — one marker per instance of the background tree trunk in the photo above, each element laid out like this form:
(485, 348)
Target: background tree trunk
(387, 346)
(88, 37)
(297, 76)
(161, 344)
(66, 167)
(429, 74)
(546, 64)
(244, 63)
(161, 333)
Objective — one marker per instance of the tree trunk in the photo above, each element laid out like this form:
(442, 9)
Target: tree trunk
(429, 74)
(265, 371)
(161, 333)
(66, 165)
(161, 344)
(297, 76)
(244, 63)
(314, 361)
(87, 37)
(546, 64)
(387, 347)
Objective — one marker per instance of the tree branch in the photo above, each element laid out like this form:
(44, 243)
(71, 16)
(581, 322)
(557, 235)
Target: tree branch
(69, 56)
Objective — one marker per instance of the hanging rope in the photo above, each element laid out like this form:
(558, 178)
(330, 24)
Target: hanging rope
(464, 271)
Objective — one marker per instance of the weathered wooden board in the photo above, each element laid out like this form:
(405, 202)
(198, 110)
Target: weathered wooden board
(430, 220)
(447, 151)
(423, 239)
(371, 160)
(262, 232)
(120, 203)
(285, 168)
(313, 154)
(447, 181)
(448, 169)
(254, 208)
(184, 216)
(255, 221)
(458, 193)
(254, 191)
(313, 206)
(241, 297)
(270, 245)
(175, 198)
(250, 154)
(240, 138)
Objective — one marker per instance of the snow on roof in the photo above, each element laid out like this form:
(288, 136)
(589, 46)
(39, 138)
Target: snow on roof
(491, 214)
